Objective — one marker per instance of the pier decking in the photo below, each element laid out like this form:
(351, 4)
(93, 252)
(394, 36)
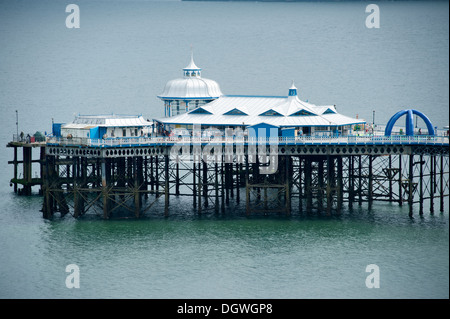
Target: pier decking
(304, 140)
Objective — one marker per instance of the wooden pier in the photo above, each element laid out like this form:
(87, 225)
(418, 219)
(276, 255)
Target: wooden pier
(321, 177)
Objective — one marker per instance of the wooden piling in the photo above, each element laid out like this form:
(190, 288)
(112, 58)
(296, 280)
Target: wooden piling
(390, 177)
(247, 186)
(47, 209)
(230, 180)
(15, 169)
(137, 199)
(360, 189)
(27, 170)
(410, 184)
(216, 186)
(194, 182)
(41, 168)
(400, 174)
(157, 173)
(152, 176)
(421, 186)
(340, 185)
(222, 186)
(227, 183)
(166, 185)
(199, 187)
(104, 190)
(441, 189)
(330, 183)
(321, 188)
(76, 194)
(205, 183)
(237, 181)
(370, 190)
(432, 168)
(308, 184)
(288, 185)
(351, 182)
(300, 187)
(177, 177)
(146, 183)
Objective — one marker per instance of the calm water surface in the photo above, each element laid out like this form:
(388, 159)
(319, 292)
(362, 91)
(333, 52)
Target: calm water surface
(120, 59)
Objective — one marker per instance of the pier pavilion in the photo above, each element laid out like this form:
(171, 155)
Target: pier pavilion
(203, 104)
(291, 116)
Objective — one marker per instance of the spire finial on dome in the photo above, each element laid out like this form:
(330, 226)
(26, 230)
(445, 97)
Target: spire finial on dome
(192, 69)
(293, 89)
(293, 85)
(192, 65)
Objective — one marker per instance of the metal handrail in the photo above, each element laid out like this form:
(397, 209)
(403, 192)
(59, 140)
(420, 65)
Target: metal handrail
(299, 140)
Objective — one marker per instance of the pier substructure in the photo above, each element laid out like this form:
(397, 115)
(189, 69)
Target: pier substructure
(276, 188)
(317, 181)
(288, 179)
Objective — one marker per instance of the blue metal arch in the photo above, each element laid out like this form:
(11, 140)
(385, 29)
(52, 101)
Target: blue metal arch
(409, 122)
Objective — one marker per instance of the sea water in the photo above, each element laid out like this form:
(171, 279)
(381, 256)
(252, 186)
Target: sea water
(119, 60)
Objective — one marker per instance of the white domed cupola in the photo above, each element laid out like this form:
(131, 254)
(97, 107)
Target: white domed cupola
(187, 93)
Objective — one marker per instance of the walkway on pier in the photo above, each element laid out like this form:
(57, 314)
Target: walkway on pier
(303, 140)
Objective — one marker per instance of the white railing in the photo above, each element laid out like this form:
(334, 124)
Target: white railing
(371, 140)
(303, 140)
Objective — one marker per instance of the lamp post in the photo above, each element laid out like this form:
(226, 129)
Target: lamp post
(17, 124)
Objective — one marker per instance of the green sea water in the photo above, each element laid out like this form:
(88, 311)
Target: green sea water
(119, 61)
